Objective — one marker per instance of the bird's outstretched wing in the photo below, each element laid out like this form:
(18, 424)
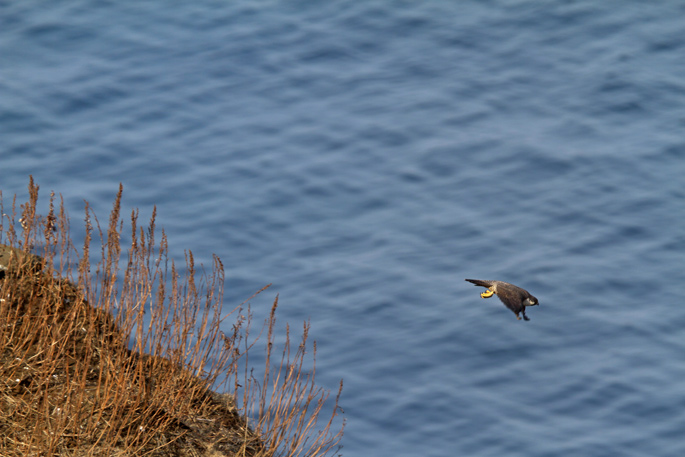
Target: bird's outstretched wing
(511, 297)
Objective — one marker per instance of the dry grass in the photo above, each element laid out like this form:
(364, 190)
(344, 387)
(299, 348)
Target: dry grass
(100, 360)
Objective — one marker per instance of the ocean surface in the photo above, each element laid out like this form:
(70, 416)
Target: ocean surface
(365, 158)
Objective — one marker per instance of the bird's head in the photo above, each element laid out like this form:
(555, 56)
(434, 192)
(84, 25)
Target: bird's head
(531, 301)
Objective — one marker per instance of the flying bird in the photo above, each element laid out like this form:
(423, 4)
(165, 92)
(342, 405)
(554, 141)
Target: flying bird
(513, 297)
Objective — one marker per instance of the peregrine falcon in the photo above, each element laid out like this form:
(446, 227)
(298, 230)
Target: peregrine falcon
(513, 297)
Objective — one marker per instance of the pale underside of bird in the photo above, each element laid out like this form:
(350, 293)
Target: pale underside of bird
(513, 297)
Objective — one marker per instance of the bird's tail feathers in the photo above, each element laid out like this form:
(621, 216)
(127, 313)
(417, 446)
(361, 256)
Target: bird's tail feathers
(479, 282)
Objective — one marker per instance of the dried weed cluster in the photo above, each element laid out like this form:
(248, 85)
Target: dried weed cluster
(99, 360)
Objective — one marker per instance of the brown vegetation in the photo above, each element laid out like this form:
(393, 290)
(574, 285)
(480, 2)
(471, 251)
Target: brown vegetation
(101, 361)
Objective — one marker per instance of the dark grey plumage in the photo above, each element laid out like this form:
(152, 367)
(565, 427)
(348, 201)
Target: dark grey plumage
(513, 297)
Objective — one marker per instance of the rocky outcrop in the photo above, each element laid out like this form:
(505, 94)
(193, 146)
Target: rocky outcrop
(72, 386)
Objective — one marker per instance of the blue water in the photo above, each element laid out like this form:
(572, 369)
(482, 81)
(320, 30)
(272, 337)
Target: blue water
(365, 158)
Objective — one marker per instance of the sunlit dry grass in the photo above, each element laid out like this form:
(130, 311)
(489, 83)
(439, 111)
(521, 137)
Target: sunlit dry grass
(112, 350)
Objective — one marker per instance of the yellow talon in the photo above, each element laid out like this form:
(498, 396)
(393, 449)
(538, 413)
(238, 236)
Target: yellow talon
(487, 294)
